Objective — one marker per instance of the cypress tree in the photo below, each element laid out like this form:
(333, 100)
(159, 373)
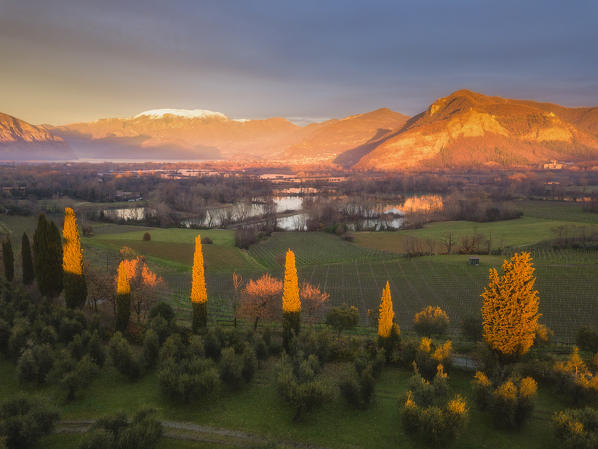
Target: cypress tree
(9, 260)
(75, 288)
(47, 249)
(386, 314)
(388, 330)
(27, 261)
(291, 304)
(123, 299)
(199, 295)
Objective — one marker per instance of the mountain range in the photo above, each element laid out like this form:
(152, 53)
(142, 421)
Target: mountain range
(464, 129)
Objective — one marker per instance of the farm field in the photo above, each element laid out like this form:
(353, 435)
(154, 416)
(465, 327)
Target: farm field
(258, 409)
(355, 273)
(537, 224)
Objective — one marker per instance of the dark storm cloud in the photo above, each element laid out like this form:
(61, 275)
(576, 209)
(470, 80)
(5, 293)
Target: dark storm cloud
(67, 60)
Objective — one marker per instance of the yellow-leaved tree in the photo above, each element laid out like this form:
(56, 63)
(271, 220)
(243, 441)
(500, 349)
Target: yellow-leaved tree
(199, 294)
(510, 308)
(387, 315)
(388, 330)
(123, 298)
(291, 304)
(75, 287)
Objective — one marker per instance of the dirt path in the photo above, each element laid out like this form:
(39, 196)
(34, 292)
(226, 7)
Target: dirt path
(197, 432)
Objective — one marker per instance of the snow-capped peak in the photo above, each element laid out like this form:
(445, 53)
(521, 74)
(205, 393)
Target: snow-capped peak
(185, 113)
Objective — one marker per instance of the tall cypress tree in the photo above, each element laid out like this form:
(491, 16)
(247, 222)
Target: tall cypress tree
(123, 299)
(291, 303)
(47, 249)
(27, 261)
(8, 259)
(75, 288)
(199, 295)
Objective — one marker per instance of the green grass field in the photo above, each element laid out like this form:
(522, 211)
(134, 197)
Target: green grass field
(258, 409)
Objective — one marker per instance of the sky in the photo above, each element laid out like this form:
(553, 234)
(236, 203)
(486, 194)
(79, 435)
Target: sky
(65, 61)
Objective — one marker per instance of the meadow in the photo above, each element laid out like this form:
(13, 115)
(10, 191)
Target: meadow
(257, 409)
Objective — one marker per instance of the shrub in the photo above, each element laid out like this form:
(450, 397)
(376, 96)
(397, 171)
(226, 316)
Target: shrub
(428, 415)
(24, 421)
(298, 386)
(260, 348)
(249, 363)
(146, 237)
(27, 370)
(543, 334)
(576, 429)
(151, 348)
(123, 357)
(575, 379)
(431, 321)
(231, 368)
(143, 431)
(587, 339)
(358, 387)
(74, 376)
(164, 310)
(212, 344)
(161, 327)
(429, 355)
(342, 318)
(511, 402)
(312, 342)
(188, 380)
(471, 328)
(18, 337)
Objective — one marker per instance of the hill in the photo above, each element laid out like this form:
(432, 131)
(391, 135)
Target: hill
(468, 129)
(334, 137)
(20, 140)
(179, 134)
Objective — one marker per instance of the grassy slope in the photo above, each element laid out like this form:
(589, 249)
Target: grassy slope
(258, 409)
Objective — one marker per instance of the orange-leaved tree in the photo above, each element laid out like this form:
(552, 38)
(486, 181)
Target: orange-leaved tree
(312, 301)
(199, 294)
(388, 330)
(510, 308)
(144, 283)
(291, 304)
(260, 299)
(123, 298)
(75, 287)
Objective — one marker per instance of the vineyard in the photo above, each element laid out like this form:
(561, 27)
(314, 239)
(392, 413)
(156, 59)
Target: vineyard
(354, 275)
(355, 272)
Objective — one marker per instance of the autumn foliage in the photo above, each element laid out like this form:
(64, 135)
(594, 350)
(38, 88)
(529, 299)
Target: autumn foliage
(510, 307)
(312, 301)
(511, 402)
(431, 321)
(199, 294)
(387, 314)
(72, 256)
(290, 295)
(291, 304)
(75, 287)
(260, 299)
(198, 283)
(123, 298)
(143, 283)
